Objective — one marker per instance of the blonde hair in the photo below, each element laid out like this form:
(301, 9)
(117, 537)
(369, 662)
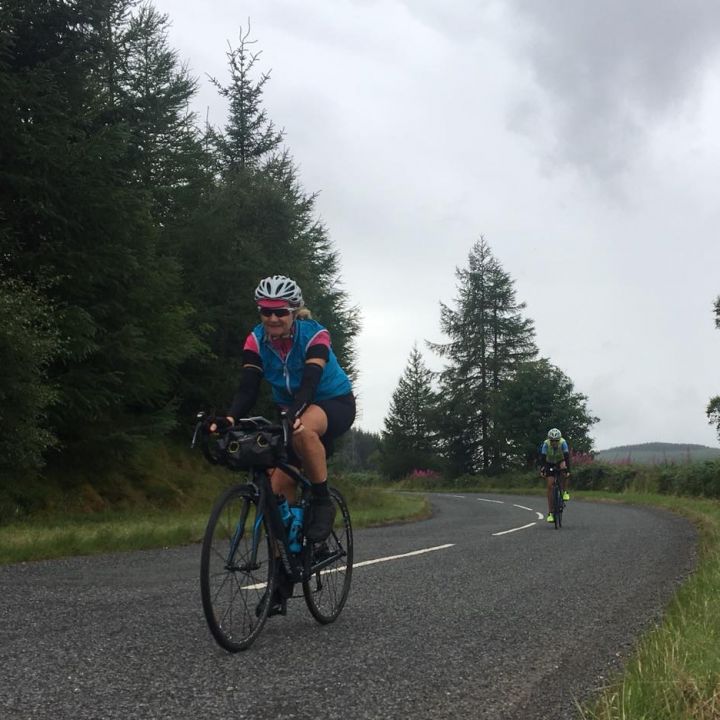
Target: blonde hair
(303, 314)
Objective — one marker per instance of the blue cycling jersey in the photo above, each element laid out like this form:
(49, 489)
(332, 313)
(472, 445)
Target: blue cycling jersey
(285, 373)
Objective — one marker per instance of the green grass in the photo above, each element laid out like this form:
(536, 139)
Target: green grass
(55, 536)
(394, 508)
(105, 532)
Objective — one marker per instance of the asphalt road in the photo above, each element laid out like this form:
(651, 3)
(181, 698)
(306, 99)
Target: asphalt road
(515, 626)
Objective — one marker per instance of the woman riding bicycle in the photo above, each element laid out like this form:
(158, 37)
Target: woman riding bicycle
(554, 454)
(294, 353)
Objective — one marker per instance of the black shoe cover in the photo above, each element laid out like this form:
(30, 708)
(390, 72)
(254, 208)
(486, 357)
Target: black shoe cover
(322, 517)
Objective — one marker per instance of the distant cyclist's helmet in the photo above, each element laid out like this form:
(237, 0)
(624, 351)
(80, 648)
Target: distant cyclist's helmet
(554, 434)
(278, 288)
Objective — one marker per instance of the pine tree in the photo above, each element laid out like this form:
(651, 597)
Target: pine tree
(249, 137)
(409, 434)
(153, 94)
(489, 338)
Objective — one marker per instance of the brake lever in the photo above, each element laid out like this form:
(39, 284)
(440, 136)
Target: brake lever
(285, 427)
(201, 417)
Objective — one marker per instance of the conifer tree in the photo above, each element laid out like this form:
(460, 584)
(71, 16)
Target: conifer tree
(250, 138)
(488, 339)
(154, 91)
(409, 433)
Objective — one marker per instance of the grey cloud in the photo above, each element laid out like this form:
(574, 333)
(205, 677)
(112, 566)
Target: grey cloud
(611, 69)
(458, 21)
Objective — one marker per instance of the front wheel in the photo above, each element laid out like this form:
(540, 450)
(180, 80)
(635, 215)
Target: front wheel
(237, 569)
(330, 567)
(559, 505)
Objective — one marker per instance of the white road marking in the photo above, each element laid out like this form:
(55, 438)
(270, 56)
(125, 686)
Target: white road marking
(260, 586)
(500, 502)
(404, 555)
(505, 532)
(522, 507)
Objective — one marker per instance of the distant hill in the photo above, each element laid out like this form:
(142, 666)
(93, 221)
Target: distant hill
(657, 453)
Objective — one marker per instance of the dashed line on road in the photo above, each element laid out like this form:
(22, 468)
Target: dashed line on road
(404, 555)
(505, 532)
(522, 507)
(497, 502)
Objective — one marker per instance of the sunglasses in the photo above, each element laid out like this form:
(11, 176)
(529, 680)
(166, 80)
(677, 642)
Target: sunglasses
(277, 312)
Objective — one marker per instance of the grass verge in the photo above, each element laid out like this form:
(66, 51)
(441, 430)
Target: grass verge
(55, 536)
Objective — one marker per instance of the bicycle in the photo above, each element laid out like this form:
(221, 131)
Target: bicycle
(250, 534)
(557, 495)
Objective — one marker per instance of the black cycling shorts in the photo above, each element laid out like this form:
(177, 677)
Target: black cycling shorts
(340, 413)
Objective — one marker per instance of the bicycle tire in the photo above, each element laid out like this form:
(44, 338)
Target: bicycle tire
(558, 502)
(326, 590)
(236, 590)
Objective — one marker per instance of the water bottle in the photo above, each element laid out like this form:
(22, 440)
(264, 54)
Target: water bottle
(296, 525)
(284, 508)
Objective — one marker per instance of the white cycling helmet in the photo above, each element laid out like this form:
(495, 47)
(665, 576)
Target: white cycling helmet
(279, 287)
(554, 434)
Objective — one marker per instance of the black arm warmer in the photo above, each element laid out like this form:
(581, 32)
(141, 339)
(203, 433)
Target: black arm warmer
(567, 461)
(306, 392)
(318, 351)
(247, 392)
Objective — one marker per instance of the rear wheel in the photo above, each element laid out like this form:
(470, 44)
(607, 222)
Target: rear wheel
(236, 569)
(330, 567)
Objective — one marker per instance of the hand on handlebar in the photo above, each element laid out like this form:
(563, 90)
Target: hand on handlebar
(293, 414)
(220, 423)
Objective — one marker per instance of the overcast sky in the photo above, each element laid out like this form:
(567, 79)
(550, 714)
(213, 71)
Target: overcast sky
(579, 138)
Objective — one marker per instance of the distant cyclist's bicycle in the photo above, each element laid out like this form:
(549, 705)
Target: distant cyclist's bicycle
(251, 533)
(558, 504)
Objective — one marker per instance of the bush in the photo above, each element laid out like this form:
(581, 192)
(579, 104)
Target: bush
(601, 476)
(695, 479)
